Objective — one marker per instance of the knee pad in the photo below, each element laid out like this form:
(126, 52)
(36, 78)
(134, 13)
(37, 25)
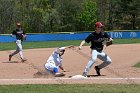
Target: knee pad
(55, 70)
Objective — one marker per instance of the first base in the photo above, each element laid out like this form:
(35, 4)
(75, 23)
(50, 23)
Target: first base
(78, 77)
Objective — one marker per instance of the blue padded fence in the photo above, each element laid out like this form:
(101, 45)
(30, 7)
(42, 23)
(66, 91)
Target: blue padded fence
(68, 36)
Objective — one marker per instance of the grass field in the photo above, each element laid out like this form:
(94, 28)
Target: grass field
(70, 88)
(67, 88)
(137, 65)
(49, 44)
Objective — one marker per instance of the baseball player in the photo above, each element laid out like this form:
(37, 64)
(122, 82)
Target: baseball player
(20, 36)
(54, 62)
(97, 40)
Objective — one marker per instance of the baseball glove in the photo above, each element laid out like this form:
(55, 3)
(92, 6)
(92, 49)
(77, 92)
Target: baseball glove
(23, 37)
(59, 74)
(108, 43)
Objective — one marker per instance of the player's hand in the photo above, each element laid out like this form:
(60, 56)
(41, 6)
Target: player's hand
(65, 70)
(12, 36)
(79, 47)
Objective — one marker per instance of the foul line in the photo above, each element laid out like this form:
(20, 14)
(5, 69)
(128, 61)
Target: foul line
(40, 79)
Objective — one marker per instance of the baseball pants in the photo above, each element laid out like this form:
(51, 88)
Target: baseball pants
(102, 56)
(19, 49)
(51, 67)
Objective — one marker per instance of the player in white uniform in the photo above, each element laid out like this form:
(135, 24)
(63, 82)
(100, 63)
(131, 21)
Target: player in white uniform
(55, 62)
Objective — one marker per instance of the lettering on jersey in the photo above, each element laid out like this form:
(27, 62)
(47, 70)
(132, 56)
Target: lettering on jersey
(20, 32)
(101, 39)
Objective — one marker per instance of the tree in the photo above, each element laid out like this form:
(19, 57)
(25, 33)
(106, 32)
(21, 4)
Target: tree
(67, 10)
(125, 13)
(87, 17)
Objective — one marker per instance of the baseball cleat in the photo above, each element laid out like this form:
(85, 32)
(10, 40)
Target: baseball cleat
(97, 70)
(59, 74)
(23, 60)
(10, 56)
(84, 74)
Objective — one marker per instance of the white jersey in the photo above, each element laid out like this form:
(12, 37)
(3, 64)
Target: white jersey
(55, 58)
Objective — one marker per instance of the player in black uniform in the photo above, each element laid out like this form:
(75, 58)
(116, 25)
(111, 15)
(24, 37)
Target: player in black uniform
(97, 39)
(20, 36)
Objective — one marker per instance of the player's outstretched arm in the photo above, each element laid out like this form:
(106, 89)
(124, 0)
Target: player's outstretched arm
(63, 48)
(61, 67)
(81, 44)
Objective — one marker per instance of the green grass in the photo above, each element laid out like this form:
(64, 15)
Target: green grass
(70, 88)
(50, 44)
(31, 45)
(137, 65)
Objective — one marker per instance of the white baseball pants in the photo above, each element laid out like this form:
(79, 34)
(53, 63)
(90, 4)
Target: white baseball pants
(102, 56)
(19, 49)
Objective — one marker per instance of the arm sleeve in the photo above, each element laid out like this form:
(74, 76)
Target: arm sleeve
(106, 35)
(88, 39)
(23, 32)
(60, 64)
(14, 32)
(60, 49)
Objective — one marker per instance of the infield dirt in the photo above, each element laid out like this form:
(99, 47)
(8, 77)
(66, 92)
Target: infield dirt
(123, 58)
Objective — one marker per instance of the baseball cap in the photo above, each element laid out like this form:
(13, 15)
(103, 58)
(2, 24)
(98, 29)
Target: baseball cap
(18, 24)
(98, 24)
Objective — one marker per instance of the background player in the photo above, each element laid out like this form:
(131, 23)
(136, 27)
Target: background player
(54, 62)
(20, 36)
(96, 39)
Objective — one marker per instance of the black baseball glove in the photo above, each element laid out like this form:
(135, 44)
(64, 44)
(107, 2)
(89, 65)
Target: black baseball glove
(23, 37)
(108, 43)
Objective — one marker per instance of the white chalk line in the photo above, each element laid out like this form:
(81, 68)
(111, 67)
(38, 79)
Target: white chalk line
(49, 79)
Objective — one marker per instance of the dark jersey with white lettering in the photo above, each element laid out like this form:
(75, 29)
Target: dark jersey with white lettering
(19, 33)
(97, 39)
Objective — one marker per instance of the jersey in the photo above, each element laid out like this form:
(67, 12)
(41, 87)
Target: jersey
(19, 34)
(97, 39)
(56, 58)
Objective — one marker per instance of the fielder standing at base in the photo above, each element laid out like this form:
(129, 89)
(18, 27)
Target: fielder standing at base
(20, 36)
(97, 39)
(54, 62)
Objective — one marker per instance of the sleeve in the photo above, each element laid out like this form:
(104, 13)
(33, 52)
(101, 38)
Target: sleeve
(14, 32)
(60, 49)
(109, 40)
(60, 64)
(23, 32)
(88, 39)
(108, 36)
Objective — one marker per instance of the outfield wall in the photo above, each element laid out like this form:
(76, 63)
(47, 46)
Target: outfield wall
(68, 36)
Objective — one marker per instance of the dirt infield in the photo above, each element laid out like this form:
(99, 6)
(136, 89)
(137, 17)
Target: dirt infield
(120, 71)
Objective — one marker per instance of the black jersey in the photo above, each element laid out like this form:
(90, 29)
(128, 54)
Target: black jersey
(19, 33)
(97, 40)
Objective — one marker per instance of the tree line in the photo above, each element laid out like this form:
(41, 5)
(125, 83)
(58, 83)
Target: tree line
(48, 16)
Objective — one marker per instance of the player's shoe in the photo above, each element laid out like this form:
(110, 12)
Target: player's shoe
(97, 70)
(23, 60)
(10, 56)
(84, 74)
